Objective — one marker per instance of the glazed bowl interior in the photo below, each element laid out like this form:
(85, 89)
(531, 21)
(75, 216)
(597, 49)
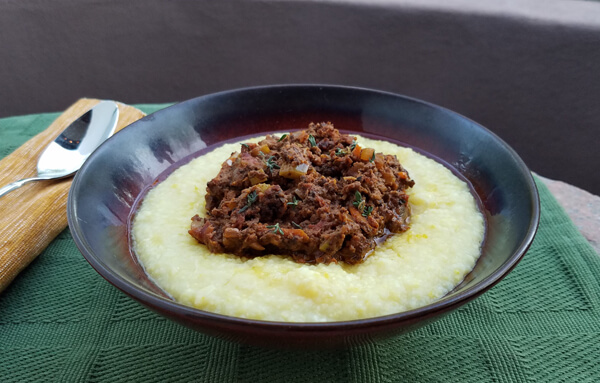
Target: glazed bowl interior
(107, 186)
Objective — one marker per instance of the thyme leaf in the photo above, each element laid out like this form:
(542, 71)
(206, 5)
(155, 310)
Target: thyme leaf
(271, 164)
(276, 228)
(252, 196)
(340, 152)
(357, 198)
(367, 211)
(312, 140)
(281, 138)
(373, 157)
(246, 146)
(353, 145)
(296, 225)
(294, 201)
(358, 201)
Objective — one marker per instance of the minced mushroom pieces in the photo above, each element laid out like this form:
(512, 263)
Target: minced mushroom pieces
(314, 195)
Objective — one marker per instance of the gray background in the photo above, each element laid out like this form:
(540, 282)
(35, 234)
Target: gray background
(527, 69)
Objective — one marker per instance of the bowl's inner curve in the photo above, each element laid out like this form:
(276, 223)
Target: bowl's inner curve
(165, 139)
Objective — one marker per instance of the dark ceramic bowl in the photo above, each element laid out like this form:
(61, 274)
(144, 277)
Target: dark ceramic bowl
(106, 187)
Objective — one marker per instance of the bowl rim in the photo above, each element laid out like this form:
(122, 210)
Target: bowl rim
(446, 303)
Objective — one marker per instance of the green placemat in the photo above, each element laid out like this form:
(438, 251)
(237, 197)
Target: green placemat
(60, 322)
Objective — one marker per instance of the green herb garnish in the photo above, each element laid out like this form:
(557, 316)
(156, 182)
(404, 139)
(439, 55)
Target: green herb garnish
(312, 140)
(358, 201)
(250, 200)
(368, 210)
(373, 157)
(295, 224)
(271, 164)
(281, 138)
(246, 146)
(276, 228)
(357, 198)
(294, 201)
(353, 145)
(340, 152)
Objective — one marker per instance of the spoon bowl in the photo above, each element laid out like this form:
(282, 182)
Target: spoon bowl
(65, 155)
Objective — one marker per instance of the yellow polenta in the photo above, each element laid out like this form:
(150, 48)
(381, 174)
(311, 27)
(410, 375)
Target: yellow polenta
(407, 271)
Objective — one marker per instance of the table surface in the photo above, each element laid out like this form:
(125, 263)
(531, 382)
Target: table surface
(582, 207)
(60, 321)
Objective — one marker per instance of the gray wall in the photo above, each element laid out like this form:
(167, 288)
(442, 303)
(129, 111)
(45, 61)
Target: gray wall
(528, 70)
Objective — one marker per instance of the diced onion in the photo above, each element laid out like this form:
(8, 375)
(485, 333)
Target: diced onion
(288, 171)
(302, 168)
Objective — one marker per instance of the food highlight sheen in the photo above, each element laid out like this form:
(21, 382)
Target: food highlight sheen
(406, 271)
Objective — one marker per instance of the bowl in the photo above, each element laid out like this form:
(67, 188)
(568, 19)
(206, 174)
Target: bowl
(105, 190)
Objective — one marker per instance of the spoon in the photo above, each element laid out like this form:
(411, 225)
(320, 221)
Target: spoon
(65, 155)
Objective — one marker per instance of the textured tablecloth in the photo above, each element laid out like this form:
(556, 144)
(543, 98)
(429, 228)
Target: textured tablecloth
(60, 321)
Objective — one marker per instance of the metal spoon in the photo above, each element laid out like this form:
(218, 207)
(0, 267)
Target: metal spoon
(65, 155)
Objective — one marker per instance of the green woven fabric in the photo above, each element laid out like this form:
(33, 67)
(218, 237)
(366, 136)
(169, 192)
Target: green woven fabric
(61, 322)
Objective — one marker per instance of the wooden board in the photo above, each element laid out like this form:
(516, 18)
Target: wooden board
(33, 215)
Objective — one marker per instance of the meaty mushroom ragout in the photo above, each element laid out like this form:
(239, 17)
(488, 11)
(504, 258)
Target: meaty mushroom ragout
(314, 195)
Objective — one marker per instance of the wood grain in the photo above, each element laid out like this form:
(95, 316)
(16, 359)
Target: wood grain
(33, 215)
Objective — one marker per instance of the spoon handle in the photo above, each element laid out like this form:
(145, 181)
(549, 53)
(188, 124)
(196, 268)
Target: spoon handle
(17, 184)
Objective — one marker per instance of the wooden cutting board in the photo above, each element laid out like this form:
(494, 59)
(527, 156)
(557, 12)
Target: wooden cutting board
(33, 215)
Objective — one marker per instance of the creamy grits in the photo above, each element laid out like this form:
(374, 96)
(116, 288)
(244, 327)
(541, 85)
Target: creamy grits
(407, 271)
